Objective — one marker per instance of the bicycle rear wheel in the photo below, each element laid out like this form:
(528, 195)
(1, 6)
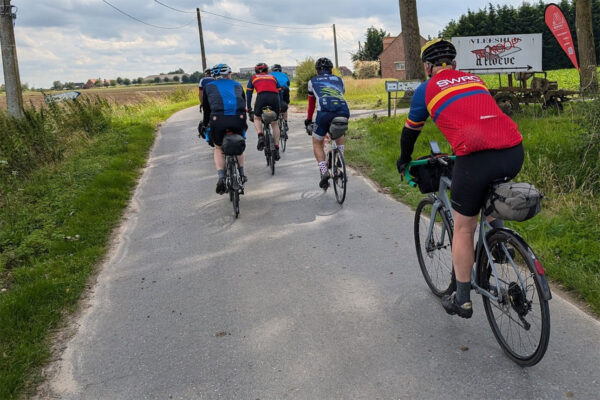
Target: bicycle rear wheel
(282, 135)
(267, 146)
(433, 240)
(340, 179)
(235, 188)
(521, 319)
(271, 153)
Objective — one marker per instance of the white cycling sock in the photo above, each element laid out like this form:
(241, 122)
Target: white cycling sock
(323, 167)
(341, 147)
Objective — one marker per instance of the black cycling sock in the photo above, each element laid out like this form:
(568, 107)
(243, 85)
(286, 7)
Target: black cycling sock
(463, 292)
(241, 169)
(497, 223)
(221, 173)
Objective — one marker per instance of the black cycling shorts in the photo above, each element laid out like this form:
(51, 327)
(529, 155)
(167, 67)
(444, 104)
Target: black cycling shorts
(284, 106)
(472, 175)
(219, 124)
(264, 99)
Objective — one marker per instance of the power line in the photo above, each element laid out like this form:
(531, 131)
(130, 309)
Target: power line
(245, 21)
(144, 22)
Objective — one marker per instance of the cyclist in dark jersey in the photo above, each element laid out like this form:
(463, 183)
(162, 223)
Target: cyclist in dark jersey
(224, 105)
(205, 80)
(268, 94)
(326, 94)
(487, 144)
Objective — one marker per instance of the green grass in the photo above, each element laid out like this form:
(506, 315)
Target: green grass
(54, 228)
(565, 235)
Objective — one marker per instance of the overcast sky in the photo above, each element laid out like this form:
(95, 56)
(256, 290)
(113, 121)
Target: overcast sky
(73, 40)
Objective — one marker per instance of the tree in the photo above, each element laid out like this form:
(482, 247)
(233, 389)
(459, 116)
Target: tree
(57, 85)
(119, 80)
(140, 80)
(305, 71)
(178, 71)
(587, 53)
(99, 82)
(176, 78)
(195, 77)
(373, 47)
(166, 79)
(69, 85)
(127, 81)
(411, 37)
(113, 82)
(156, 79)
(185, 79)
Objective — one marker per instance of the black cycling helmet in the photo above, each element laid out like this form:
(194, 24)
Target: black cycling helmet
(208, 72)
(261, 67)
(324, 64)
(438, 52)
(276, 67)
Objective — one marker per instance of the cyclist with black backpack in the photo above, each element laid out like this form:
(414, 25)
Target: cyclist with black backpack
(326, 94)
(487, 144)
(224, 106)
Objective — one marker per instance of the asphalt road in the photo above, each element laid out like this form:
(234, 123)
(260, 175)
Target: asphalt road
(299, 298)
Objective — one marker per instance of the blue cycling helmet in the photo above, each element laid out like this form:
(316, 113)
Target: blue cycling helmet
(221, 70)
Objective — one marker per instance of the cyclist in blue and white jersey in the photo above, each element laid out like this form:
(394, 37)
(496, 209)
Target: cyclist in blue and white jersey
(224, 108)
(284, 81)
(326, 93)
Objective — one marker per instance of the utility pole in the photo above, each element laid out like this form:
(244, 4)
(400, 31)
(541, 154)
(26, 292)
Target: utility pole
(14, 97)
(201, 40)
(335, 47)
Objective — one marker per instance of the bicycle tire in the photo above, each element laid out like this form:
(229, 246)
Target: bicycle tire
(229, 178)
(437, 250)
(267, 145)
(235, 188)
(272, 153)
(282, 135)
(340, 179)
(516, 308)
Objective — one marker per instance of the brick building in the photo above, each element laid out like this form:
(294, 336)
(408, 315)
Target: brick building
(392, 58)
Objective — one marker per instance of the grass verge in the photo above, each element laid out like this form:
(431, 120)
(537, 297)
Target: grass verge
(565, 235)
(54, 228)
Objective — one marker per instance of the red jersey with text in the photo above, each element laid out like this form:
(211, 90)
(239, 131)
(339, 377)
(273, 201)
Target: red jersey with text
(463, 109)
(263, 83)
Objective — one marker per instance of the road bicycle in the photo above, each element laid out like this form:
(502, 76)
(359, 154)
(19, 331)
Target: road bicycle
(336, 166)
(506, 272)
(233, 145)
(269, 116)
(283, 133)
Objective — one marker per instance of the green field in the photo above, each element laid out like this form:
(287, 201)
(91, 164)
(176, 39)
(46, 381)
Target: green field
(561, 159)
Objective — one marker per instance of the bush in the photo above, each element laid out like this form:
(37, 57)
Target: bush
(366, 69)
(42, 136)
(304, 72)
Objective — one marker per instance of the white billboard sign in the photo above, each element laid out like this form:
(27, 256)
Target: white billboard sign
(401, 86)
(499, 54)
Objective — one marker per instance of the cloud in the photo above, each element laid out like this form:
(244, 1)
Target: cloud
(73, 40)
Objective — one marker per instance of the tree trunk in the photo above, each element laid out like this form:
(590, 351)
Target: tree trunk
(411, 38)
(585, 43)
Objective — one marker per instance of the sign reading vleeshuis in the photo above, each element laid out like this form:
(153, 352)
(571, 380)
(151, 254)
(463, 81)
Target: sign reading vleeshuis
(559, 27)
(499, 54)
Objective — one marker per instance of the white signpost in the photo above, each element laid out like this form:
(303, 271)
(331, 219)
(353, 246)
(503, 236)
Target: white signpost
(499, 54)
(62, 96)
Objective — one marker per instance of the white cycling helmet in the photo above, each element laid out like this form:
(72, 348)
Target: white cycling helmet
(221, 70)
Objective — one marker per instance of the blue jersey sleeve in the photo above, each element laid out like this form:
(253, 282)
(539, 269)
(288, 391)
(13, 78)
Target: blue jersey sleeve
(418, 113)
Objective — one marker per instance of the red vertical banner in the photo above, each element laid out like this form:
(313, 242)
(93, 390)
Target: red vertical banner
(556, 21)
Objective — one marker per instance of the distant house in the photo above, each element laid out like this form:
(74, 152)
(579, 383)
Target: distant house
(90, 83)
(393, 58)
(345, 71)
(78, 85)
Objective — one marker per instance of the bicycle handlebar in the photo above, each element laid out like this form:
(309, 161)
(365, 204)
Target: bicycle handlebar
(434, 160)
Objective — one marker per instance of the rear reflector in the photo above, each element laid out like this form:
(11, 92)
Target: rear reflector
(539, 267)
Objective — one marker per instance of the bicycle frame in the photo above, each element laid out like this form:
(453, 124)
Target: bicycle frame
(441, 200)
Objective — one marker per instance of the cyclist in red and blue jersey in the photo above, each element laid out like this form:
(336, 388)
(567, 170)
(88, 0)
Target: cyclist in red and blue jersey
(268, 94)
(487, 144)
(326, 94)
(224, 106)
(284, 82)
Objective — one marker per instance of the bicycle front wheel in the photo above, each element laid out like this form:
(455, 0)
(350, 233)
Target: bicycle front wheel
(520, 319)
(340, 179)
(282, 135)
(433, 240)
